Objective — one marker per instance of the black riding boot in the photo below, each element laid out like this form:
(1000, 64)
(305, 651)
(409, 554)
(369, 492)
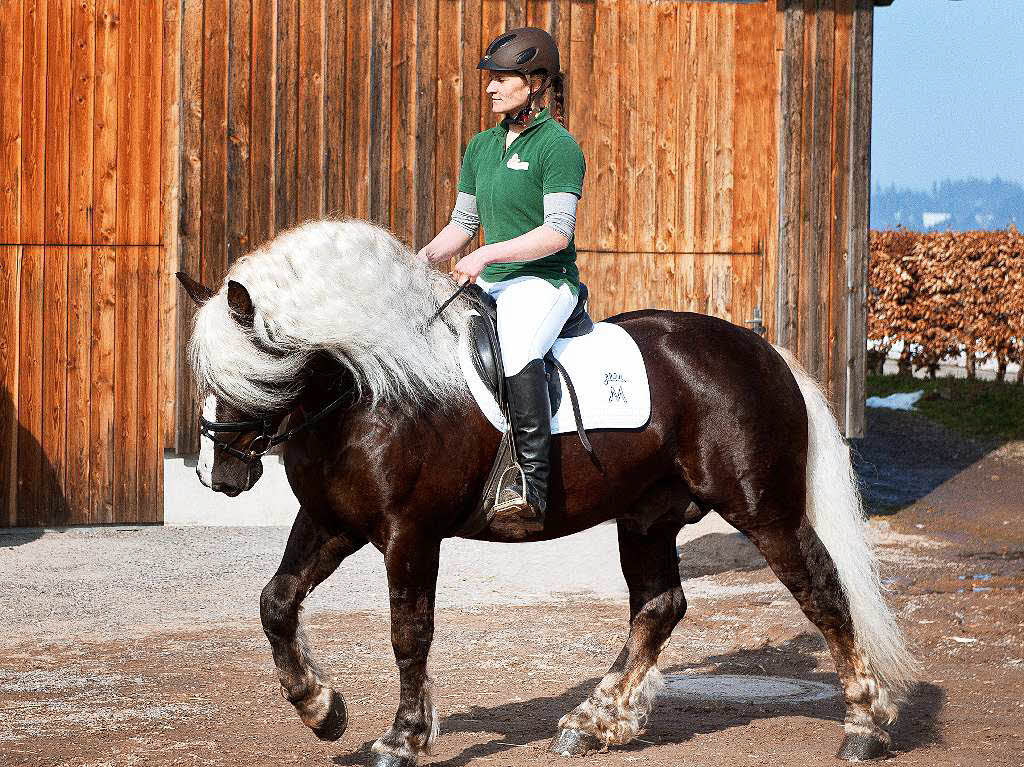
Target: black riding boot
(530, 410)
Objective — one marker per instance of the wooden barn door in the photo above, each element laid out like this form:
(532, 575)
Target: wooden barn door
(83, 289)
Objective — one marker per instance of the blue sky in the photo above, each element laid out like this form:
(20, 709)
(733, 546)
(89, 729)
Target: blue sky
(948, 91)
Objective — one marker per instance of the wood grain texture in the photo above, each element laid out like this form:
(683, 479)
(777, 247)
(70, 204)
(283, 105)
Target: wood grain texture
(335, 78)
(263, 178)
(426, 114)
(170, 179)
(82, 119)
(149, 443)
(57, 154)
(215, 139)
(190, 217)
(102, 436)
(239, 112)
(286, 115)
(357, 105)
(10, 305)
(11, 32)
(860, 201)
(33, 122)
(55, 380)
(34, 477)
(381, 100)
(126, 385)
(447, 137)
(105, 128)
(310, 127)
(403, 118)
(131, 139)
(79, 376)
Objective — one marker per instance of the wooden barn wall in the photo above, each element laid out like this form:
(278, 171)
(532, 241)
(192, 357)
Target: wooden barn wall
(298, 108)
(86, 310)
(824, 196)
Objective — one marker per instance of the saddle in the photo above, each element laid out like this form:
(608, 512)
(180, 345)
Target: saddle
(485, 352)
(485, 349)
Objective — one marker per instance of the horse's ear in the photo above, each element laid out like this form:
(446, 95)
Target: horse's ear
(196, 290)
(240, 304)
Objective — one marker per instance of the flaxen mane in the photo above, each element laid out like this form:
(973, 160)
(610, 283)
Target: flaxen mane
(344, 287)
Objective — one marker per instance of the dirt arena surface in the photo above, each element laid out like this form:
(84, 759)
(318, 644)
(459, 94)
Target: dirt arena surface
(182, 691)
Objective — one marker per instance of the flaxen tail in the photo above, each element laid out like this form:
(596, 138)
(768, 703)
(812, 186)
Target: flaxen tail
(835, 512)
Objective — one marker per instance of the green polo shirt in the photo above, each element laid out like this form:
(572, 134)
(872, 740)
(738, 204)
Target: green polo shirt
(510, 185)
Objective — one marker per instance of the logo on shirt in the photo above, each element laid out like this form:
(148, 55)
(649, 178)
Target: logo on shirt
(514, 163)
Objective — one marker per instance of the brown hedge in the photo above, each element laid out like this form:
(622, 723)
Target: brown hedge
(947, 290)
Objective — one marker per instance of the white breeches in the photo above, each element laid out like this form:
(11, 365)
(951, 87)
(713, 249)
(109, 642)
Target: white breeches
(531, 314)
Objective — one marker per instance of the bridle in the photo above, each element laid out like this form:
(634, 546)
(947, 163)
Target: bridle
(267, 439)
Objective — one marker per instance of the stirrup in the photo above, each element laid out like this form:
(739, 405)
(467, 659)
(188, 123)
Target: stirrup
(506, 496)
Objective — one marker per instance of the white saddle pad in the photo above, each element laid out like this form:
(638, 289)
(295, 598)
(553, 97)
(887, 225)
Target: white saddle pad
(607, 372)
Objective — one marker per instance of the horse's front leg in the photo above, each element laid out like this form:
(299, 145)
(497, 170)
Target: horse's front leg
(312, 554)
(411, 561)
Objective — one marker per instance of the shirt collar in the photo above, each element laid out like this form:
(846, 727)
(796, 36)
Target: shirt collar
(543, 116)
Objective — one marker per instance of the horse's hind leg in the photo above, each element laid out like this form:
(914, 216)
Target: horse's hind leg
(618, 708)
(311, 555)
(800, 560)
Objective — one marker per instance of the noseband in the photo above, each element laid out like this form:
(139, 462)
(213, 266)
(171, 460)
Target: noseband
(267, 439)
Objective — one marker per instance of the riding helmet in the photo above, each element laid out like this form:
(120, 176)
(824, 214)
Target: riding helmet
(525, 51)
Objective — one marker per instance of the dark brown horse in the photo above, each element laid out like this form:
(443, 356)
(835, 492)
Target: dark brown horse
(323, 332)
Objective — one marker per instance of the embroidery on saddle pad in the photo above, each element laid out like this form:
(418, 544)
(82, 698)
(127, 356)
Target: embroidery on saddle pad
(607, 370)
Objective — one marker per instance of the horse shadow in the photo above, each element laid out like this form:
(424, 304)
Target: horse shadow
(715, 553)
(518, 724)
(26, 502)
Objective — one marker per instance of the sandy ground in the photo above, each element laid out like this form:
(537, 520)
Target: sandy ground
(142, 646)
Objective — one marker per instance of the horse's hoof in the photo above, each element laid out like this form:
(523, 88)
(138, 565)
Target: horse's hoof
(863, 748)
(333, 727)
(570, 742)
(390, 760)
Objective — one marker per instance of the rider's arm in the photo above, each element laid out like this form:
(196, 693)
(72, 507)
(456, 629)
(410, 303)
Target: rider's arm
(451, 240)
(550, 237)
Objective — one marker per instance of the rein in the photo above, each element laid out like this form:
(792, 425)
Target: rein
(267, 440)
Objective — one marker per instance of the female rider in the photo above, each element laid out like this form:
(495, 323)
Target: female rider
(521, 180)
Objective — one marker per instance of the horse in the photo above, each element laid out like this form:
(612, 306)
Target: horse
(322, 339)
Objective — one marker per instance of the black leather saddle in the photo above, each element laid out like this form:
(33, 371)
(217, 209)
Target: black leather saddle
(485, 348)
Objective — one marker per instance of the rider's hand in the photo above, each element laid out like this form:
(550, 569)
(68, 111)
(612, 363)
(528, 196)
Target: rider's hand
(469, 267)
(428, 255)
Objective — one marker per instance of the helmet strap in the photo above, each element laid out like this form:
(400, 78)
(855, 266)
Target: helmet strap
(524, 115)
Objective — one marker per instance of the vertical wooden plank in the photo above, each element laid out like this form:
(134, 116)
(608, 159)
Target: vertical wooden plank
(11, 31)
(449, 122)
(686, 133)
(791, 132)
(668, 102)
(170, 179)
(58, 105)
(149, 444)
(131, 142)
(215, 132)
(379, 150)
(492, 24)
(357, 104)
(860, 202)
(263, 116)
(724, 63)
(814, 263)
(105, 129)
(79, 375)
(101, 391)
(190, 216)
(131, 145)
(55, 380)
(10, 301)
(33, 125)
(839, 297)
(580, 72)
(647, 176)
(426, 101)
(82, 118)
(403, 118)
(286, 114)
(628, 135)
(239, 111)
(33, 474)
(605, 231)
(310, 142)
